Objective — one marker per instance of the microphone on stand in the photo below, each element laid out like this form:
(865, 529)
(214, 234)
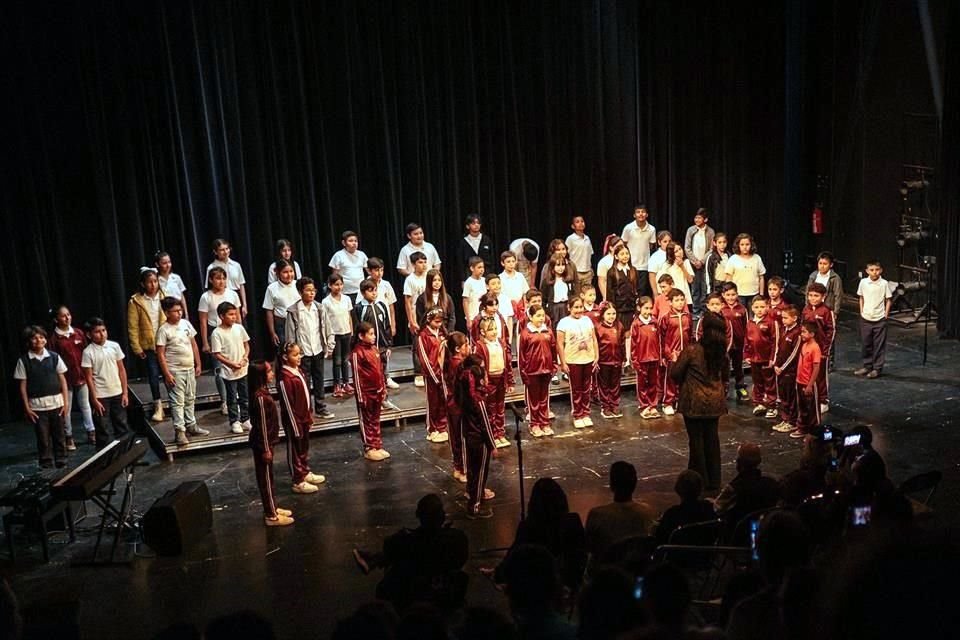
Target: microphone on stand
(518, 413)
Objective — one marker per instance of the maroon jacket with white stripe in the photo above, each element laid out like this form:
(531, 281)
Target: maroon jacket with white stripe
(368, 377)
(788, 350)
(537, 352)
(475, 424)
(294, 402)
(266, 426)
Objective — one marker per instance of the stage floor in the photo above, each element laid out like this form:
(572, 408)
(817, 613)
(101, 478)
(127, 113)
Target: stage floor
(304, 577)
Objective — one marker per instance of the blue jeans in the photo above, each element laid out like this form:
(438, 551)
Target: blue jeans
(698, 290)
(341, 359)
(153, 373)
(81, 397)
(237, 401)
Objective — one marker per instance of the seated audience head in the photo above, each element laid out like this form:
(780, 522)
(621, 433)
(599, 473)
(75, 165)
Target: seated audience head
(422, 621)
(372, 621)
(430, 511)
(689, 485)
(783, 543)
(608, 605)
(623, 481)
(532, 582)
(748, 457)
(666, 595)
(547, 501)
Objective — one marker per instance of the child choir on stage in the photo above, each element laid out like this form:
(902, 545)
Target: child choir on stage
(549, 320)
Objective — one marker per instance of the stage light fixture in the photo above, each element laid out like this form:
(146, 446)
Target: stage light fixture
(904, 287)
(909, 235)
(912, 186)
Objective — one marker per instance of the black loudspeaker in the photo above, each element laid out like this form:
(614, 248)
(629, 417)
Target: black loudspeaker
(178, 519)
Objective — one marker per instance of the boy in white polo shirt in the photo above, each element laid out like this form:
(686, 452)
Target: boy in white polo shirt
(179, 360)
(638, 236)
(102, 364)
(416, 244)
(349, 262)
(580, 251)
(230, 344)
(875, 298)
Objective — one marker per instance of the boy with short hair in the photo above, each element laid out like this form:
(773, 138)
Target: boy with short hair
(736, 316)
(179, 360)
(580, 251)
(530, 298)
(102, 363)
(826, 276)
(349, 262)
(760, 346)
(374, 312)
(416, 245)
(388, 297)
(697, 245)
(230, 345)
(714, 304)
(413, 287)
(513, 285)
(661, 304)
(809, 368)
(527, 253)
(819, 313)
(657, 259)
(588, 293)
(775, 301)
(785, 368)
(874, 294)
(674, 336)
(44, 391)
(473, 287)
(305, 327)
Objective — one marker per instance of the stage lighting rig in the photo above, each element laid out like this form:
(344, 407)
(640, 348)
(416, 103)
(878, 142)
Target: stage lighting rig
(913, 186)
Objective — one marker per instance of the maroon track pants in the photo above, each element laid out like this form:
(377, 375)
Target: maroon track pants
(298, 453)
(581, 379)
(608, 383)
(456, 437)
(436, 406)
(496, 390)
(264, 473)
(537, 397)
(478, 464)
(648, 384)
(764, 384)
(787, 397)
(369, 408)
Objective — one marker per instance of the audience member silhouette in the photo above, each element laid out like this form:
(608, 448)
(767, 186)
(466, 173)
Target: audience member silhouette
(749, 491)
(692, 508)
(534, 592)
(622, 518)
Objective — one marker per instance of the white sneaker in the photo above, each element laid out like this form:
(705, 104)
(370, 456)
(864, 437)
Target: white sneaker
(548, 431)
(384, 453)
(246, 425)
(536, 432)
(578, 423)
(551, 415)
(438, 436)
(305, 487)
(418, 381)
(373, 454)
(759, 410)
(587, 422)
(314, 478)
(503, 443)
(157, 412)
(669, 410)
(390, 406)
(236, 427)
(224, 411)
(783, 427)
(771, 413)
(824, 407)
(459, 477)
(392, 384)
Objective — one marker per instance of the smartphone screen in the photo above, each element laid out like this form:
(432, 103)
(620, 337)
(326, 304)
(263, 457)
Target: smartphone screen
(754, 530)
(851, 440)
(638, 589)
(861, 516)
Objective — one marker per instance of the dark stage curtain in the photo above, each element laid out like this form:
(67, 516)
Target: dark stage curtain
(948, 291)
(134, 126)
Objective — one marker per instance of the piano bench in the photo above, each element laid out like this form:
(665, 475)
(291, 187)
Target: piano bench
(32, 519)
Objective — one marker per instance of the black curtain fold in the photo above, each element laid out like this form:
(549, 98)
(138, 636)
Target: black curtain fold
(948, 254)
(135, 126)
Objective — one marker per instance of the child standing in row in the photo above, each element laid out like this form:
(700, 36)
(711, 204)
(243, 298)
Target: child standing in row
(662, 305)
(297, 419)
(736, 316)
(826, 276)
(513, 286)
(456, 350)
(170, 283)
(479, 443)
(435, 296)
(230, 345)
(745, 269)
(375, 313)
(348, 263)
(44, 392)
(578, 351)
(337, 328)
(69, 342)
(760, 347)
(874, 294)
(280, 296)
(717, 262)
(473, 288)
(646, 358)
(809, 369)
(536, 358)
(305, 327)
(180, 363)
(580, 250)
(429, 342)
(234, 272)
(144, 317)
(264, 436)
(388, 297)
(283, 251)
(820, 314)
(785, 368)
(370, 390)
(495, 354)
(674, 335)
(489, 309)
(413, 287)
(556, 285)
(775, 301)
(216, 294)
(610, 339)
(102, 363)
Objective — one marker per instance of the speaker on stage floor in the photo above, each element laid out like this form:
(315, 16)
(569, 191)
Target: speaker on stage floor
(178, 519)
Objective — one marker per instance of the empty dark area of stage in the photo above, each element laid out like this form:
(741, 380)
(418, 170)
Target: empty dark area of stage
(303, 577)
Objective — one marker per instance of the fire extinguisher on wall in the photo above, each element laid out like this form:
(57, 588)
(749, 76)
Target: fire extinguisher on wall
(817, 220)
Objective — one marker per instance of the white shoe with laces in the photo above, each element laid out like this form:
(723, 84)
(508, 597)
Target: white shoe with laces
(392, 384)
(669, 410)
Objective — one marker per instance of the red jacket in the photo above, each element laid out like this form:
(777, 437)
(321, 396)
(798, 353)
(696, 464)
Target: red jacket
(763, 335)
(776, 310)
(520, 318)
(475, 336)
(70, 349)
(266, 426)
(644, 342)
(698, 332)
(610, 343)
(674, 332)
(537, 353)
(451, 368)
(294, 402)
(480, 348)
(594, 314)
(468, 395)
(368, 377)
(737, 317)
(661, 306)
(826, 326)
(788, 350)
(429, 347)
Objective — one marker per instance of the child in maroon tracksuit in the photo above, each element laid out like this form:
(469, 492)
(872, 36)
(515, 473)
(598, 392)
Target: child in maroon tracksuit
(455, 350)
(818, 312)
(521, 307)
(715, 305)
(370, 388)
(431, 338)
(610, 341)
(264, 435)
(674, 336)
(785, 368)
(296, 417)
(736, 316)
(537, 360)
(808, 370)
(495, 354)
(760, 348)
(479, 444)
(645, 356)
(489, 308)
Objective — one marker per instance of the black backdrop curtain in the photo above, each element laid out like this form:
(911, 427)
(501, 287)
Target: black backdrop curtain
(133, 126)
(949, 247)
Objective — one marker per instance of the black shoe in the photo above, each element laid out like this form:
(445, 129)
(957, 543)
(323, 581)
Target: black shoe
(480, 514)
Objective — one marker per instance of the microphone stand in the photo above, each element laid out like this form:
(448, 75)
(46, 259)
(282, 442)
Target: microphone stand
(518, 436)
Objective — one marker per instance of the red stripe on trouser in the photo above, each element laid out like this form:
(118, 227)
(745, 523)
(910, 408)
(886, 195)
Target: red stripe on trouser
(264, 473)
(670, 388)
(608, 381)
(369, 410)
(808, 410)
(478, 462)
(764, 390)
(537, 391)
(787, 398)
(436, 406)
(454, 427)
(581, 377)
(495, 407)
(823, 381)
(298, 451)
(648, 384)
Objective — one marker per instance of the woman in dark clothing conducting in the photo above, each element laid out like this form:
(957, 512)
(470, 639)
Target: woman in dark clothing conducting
(701, 370)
